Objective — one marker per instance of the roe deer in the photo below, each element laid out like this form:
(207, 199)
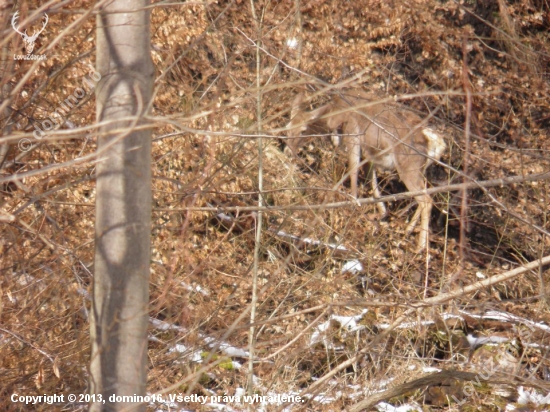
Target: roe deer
(386, 134)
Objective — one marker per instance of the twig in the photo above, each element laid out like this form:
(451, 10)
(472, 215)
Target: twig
(26, 342)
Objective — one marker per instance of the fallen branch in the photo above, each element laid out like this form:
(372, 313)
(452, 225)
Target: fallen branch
(369, 200)
(436, 379)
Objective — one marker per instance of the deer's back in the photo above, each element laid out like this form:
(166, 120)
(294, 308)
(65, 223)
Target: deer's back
(388, 133)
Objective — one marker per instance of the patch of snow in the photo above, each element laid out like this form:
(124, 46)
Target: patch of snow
(386, 407)
(195, 288)
(348, 323)
(178, 347)
(193, 356)
(292, 43)
(525, 397)
(484, 340)
(232, 350)
(221, 407)
(408, 325)
(353, 266)
(430, 369)
(164, 326)
(508, 317)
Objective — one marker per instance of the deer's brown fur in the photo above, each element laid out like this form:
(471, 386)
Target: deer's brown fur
(388, 135)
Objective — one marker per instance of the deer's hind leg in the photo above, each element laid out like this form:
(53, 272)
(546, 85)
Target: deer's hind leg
(376, 193)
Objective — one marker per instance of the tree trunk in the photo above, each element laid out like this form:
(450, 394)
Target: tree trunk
(123, 208)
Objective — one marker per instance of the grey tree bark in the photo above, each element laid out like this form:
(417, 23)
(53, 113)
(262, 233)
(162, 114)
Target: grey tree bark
(123, 207)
